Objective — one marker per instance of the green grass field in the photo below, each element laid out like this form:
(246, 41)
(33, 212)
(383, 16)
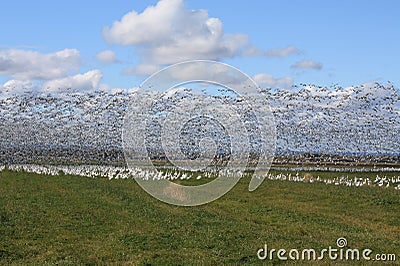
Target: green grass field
(69, 220)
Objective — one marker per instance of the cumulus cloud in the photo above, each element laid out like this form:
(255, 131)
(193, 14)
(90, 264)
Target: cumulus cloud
(106, 56)
(17, 86)
(282, 52)
(153, 26)
(168, 33)
(266, 80)
(32, 65)
(80, 82)
(307, 64)
(87, 81)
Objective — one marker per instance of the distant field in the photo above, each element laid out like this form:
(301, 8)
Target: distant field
(70, 220)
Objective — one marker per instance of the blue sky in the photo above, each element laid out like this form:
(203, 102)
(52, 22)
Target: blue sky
(278, 43)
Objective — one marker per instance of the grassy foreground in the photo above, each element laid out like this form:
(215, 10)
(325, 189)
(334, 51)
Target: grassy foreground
(68, 220)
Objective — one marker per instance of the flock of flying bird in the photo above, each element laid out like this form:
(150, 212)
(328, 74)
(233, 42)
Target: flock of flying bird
(86, 127)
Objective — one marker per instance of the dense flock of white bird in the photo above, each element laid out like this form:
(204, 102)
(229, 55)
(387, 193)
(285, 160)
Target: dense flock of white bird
(359, 120)
(115, 172)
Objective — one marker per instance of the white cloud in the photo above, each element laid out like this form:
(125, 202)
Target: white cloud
(154, 25)
(252, 51)
(87, 81)
(266, 80)
(32, 65)
(106, 56)
(307, 64)
(169, 32)
(17, 86)
(207, 71)
(274, 52)
(282, 52)
(142, 70)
